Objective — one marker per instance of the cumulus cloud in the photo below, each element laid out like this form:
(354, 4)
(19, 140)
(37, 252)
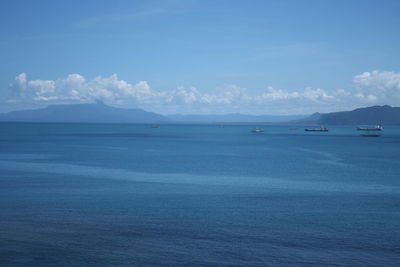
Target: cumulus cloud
(376, 87)
(21, 81)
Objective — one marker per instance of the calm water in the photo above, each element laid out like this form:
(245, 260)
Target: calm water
(102, 194)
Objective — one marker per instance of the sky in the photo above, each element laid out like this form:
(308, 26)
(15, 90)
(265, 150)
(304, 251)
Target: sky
(201, 57)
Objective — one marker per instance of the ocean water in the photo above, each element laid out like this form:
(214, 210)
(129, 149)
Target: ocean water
(123, 194)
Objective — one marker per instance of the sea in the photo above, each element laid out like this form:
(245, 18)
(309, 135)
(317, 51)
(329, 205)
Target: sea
(197, 195)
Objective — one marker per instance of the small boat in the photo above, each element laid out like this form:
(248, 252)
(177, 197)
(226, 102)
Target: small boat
(320, 129)
(377, 127)
(257, 130)
(371, 132)
(370, 135)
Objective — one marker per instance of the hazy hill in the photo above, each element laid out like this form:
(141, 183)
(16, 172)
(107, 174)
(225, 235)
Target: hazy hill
(385, 115)
(99, 112)
(233, 117)
(312, 119)
(92, 113)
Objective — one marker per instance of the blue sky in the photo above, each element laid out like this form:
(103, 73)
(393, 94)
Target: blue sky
(260, 57)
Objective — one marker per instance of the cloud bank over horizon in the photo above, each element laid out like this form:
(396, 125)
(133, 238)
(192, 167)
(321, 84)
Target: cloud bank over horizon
(369, 88)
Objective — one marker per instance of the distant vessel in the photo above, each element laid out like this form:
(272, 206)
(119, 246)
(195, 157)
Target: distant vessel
(370, 135)
(257, 130)
(377, 127)
(370, 131)
(320, 129)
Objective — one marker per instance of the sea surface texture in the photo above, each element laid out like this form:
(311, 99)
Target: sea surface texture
(115, 194)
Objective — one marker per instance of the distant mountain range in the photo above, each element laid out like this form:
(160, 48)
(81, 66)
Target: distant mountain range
(101, 113)
(80, 113)
(234, 117)
(385, 115)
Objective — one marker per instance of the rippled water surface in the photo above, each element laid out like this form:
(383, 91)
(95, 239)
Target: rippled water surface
(109, 194)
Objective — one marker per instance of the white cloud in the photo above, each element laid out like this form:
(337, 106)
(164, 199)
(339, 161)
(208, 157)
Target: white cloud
(378, 86)
(21, 81)
(374, 87)
(276, 94)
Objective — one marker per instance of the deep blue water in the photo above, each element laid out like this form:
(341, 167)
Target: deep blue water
(104, 194)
